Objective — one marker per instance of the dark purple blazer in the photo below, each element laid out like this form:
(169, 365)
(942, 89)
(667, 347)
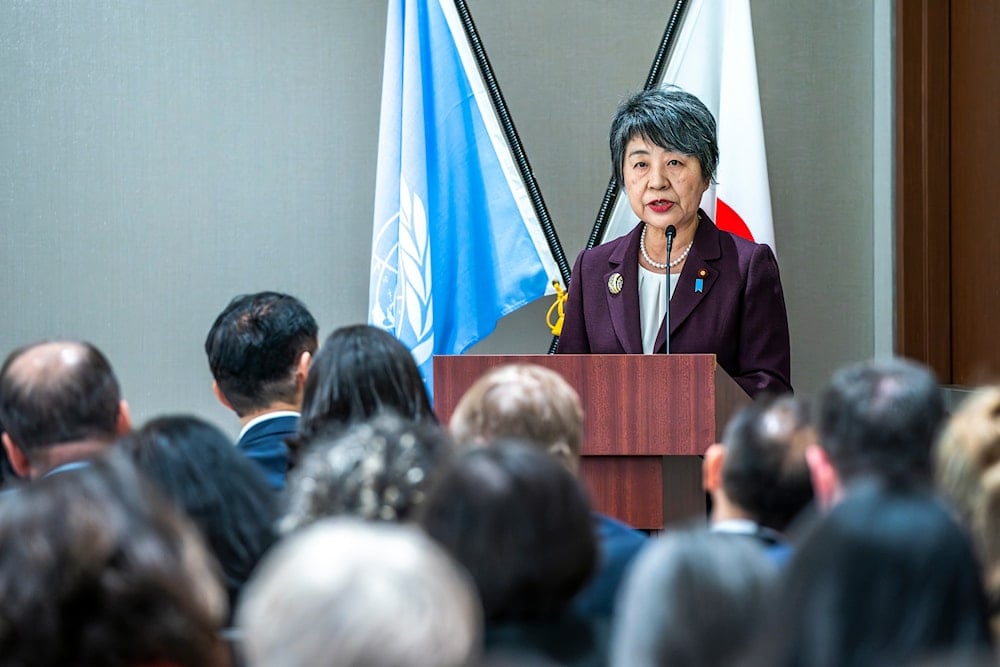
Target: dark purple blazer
(738, 314)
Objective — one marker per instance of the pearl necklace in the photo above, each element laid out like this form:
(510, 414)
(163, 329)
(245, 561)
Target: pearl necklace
(658, 265)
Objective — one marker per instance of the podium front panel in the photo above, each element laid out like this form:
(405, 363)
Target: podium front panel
(647, 419)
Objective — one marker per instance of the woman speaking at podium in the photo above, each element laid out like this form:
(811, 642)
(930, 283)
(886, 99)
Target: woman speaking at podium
(726, 296)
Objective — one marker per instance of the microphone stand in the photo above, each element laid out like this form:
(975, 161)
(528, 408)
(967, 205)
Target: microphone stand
(669, 232)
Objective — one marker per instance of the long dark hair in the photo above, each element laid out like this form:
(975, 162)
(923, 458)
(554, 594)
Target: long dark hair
(198, 468)
(361, 371)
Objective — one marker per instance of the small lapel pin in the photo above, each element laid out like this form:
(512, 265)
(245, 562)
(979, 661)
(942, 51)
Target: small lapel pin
(699, 282)
(615, 283)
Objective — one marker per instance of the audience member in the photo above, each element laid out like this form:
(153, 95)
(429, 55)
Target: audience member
(375, 470)
(96, 569)
(693, 599)
(876, 420)
(968, 473)
(519, 522)
(344, 593)
(259, 350)
(7, 474)
(758, 477)
(196, 466)
(524, 401)
(359, 372)
(60, 404)
(537, 405)
(886, 578)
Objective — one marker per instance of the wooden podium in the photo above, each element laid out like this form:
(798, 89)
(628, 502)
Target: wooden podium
(647, 421)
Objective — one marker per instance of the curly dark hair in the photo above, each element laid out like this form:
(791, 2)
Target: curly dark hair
(97, 569)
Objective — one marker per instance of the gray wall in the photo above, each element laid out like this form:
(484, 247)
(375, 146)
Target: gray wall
(158, 158)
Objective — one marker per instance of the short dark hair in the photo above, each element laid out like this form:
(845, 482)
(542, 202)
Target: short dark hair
(359, 372)
(765, 472)
(670, 118)
(200, 471)
(97, 569)
(253, 348)
(520, 523)
(374, 470)
(58, 391)
(880, 418)
(885, 578)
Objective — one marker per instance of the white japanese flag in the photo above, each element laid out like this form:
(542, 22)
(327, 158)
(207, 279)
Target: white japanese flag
(713, 59)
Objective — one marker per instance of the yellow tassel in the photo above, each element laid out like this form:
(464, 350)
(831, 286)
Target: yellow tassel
(558, 306)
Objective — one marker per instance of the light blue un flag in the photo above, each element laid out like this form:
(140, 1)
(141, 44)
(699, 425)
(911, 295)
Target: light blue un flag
(456, 244)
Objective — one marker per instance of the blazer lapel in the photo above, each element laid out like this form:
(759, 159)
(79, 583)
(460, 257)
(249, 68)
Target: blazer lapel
(624, 306)
(700, 266)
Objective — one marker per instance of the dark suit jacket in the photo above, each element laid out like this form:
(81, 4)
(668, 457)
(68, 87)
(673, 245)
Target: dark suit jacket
(738, 313)
(264, 444)
(619, 545)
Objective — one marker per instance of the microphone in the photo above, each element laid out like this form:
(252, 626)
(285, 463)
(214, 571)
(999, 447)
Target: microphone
(670, 232)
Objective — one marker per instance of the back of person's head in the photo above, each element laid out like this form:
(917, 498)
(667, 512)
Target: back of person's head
(519, 521)
(97, 569)
(967, 469)
(522, 401)
(885, 578)
(692, 598)
(764, 470)
(360, 371)
(343, 593)
(879, 419)
(58, 392)
(8, 475)
(198, 469)
(255, 348)
(376, 470)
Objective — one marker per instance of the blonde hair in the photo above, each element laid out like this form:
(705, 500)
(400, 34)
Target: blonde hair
(968, 472)
(522, 401)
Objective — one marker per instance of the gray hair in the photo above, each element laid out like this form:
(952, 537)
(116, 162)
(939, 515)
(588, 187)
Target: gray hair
(377, 470)
(670, 118)
(345, 592)
(692, 598)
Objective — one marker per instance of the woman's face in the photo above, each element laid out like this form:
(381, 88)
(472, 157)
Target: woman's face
(664, 187)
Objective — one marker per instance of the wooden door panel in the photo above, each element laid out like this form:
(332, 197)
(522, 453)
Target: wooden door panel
(975, 187)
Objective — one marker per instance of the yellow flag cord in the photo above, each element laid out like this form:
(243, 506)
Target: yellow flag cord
(559, 307)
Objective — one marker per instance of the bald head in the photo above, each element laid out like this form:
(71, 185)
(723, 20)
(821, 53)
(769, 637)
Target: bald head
(58, 392)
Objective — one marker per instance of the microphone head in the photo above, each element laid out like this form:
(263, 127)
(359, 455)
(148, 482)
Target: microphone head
(670, 231)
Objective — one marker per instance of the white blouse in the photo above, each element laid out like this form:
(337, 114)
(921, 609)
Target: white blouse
(652, 304)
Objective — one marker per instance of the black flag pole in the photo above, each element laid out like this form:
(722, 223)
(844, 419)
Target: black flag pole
(652, 80)
(513, 140)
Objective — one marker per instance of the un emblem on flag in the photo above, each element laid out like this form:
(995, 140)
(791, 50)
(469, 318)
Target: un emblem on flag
(402, 301)
(384, 275)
